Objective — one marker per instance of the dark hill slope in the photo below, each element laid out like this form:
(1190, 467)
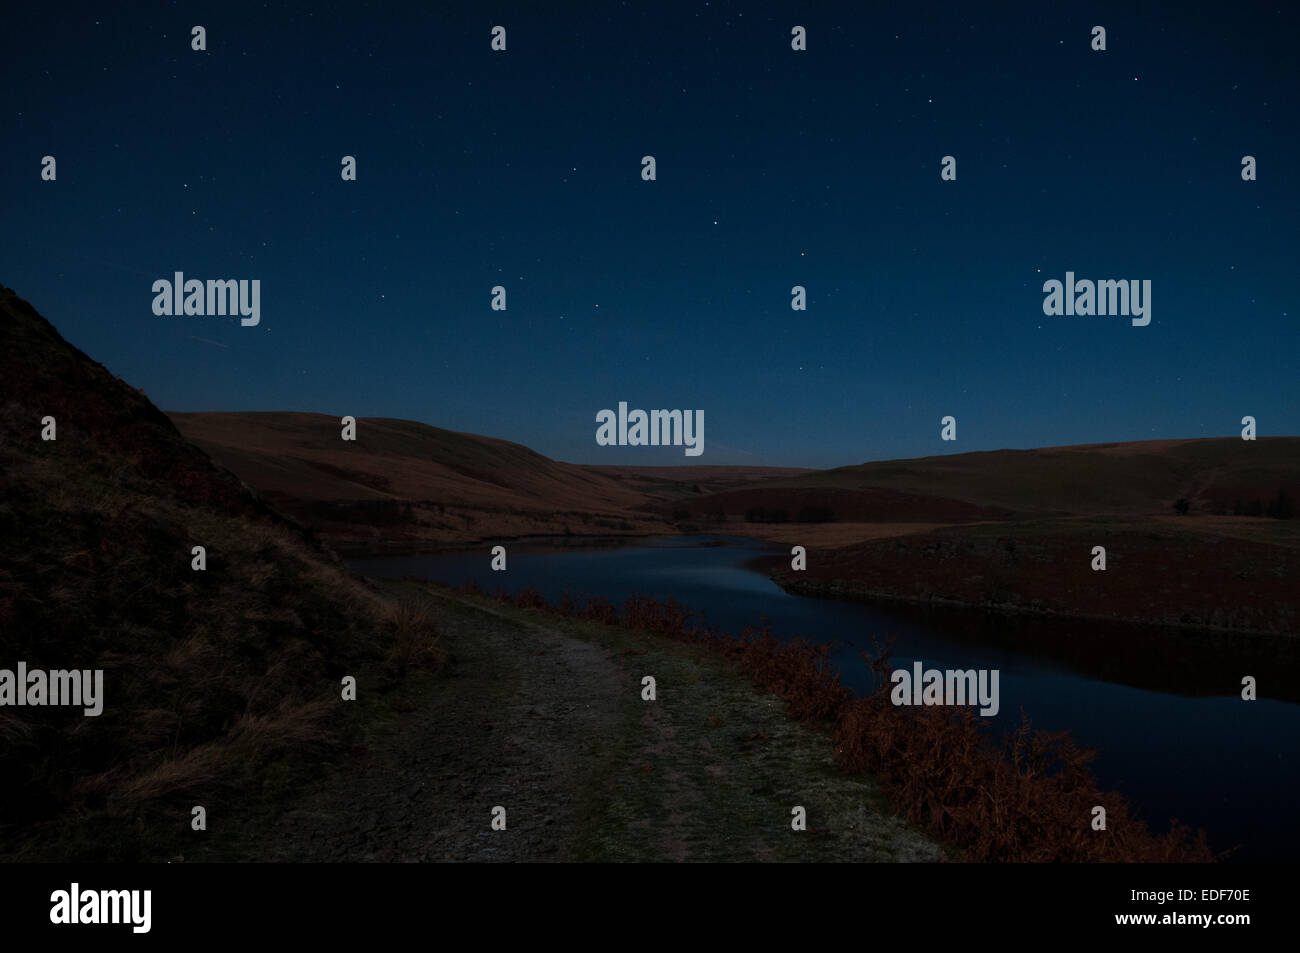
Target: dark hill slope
(208, 676)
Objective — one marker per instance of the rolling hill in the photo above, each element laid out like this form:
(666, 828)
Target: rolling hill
(403, 485)
(1140, 478)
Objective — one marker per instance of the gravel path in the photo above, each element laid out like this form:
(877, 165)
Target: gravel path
(529, 716)
(527, 704)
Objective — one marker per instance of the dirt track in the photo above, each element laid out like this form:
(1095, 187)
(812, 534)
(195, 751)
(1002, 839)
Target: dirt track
(545, 718)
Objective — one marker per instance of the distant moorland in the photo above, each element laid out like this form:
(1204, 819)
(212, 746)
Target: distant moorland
(1196, 532)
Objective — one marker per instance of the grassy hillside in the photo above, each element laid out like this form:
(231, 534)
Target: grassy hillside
(667, 484)
(403, 485)
(1108, 478)
(1161, 573)
(303, 455)
(777, 503)
(407, 485)
(210, 677)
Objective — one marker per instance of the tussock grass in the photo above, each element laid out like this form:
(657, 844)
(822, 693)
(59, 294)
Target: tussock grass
(415, 641)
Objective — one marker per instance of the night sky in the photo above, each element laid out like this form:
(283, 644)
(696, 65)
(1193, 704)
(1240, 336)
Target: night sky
(775, 168)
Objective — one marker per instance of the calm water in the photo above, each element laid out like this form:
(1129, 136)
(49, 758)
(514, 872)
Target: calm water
(1163, 710)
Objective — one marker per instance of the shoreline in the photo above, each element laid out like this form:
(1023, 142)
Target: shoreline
(535, 543)
(846, 590)
(849, 591)
(543, 544)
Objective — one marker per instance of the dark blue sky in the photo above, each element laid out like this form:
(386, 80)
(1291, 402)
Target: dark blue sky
(775, 168)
